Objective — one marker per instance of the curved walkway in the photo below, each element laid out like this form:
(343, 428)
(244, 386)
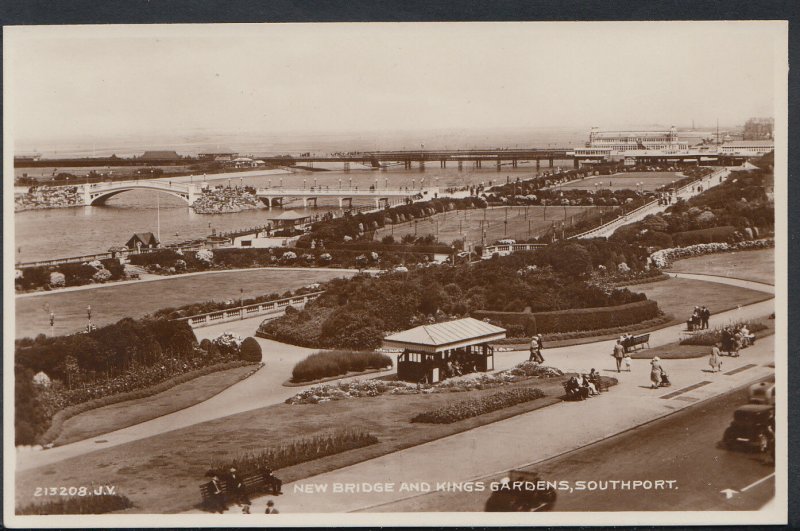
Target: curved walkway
(264, 388)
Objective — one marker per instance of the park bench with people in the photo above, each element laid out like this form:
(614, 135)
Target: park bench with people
(254, 482)
(632, 342)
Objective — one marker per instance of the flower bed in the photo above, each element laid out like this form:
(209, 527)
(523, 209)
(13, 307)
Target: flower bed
(79, 504)
(465, 409)
(320, 394)
(296, 451)
(665, 257)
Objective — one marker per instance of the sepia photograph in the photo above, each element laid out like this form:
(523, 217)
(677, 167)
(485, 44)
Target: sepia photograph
(359, 274)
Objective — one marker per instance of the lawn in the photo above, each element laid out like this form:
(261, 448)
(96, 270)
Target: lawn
(622, 181)
(113, 302)
(161, 474)
(756, 265)
(118, 416)
(679, 296)
(523, 223)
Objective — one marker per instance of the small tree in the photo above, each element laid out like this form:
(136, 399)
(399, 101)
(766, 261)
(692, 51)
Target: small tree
(251, 350)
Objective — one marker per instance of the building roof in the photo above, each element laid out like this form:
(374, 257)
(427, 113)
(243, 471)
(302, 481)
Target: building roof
(290, 215)
(451, 334)
(147, 238)
(750, 143)
(160, 155)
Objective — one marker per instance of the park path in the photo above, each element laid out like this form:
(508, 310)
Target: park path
(685, 193)
(265, 387)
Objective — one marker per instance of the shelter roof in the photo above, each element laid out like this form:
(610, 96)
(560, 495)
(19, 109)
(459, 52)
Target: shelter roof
(459, 332)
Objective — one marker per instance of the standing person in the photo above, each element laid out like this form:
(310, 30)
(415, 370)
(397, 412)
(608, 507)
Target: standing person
(715, 361)
(619, 353)
(705, 315)
(539, 348)
(271, 508)
(655, 372)
(627, 359)
(534, 348)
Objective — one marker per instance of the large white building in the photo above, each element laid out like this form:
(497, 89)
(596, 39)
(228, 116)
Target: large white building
(621, 141)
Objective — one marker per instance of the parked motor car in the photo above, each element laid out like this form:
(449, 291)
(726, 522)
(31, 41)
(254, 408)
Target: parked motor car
(520, 492)
(749, 428)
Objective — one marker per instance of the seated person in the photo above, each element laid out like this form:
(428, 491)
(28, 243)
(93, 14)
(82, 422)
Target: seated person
(273, 483)
(594, 377)
(588, 384)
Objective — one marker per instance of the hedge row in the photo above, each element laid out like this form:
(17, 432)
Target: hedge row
(575, 319)
(337, 362)
(473, 407)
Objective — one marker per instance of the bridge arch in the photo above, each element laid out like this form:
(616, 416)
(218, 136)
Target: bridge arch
(100, 196)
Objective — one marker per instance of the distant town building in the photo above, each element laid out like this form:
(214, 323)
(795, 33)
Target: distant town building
(758, 129)
(143, 240)
(160, 155)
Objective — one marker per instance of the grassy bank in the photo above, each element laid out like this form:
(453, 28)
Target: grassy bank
(128, 413)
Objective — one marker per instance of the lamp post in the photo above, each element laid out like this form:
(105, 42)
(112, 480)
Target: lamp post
(241, 303)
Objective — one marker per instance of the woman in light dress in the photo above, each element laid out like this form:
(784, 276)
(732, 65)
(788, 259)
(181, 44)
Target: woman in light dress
(655, 372)
(715, 361)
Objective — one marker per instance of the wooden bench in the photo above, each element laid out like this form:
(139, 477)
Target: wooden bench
(253, 483)
(633, 342)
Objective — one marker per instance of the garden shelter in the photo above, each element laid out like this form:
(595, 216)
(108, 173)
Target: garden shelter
(431, 351)
(290, 220)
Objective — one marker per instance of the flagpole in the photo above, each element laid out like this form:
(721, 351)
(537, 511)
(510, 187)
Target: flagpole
(158, 218)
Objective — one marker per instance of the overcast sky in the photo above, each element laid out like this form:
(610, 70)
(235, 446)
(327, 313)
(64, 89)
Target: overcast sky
(115, 81)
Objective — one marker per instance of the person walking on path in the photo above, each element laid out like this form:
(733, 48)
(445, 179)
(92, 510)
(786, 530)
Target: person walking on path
(715, 361)
(619, 353)
(540, 345)
(655, 372)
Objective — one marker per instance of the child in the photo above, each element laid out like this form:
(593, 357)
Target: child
(627, 360)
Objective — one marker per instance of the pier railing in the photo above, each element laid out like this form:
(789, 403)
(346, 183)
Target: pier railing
(251, 310)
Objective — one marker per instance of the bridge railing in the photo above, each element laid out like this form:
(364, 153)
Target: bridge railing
(250, 310)
(153, 183)
(336, 192)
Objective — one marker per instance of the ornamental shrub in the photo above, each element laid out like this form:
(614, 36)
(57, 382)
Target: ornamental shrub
(250, 350)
